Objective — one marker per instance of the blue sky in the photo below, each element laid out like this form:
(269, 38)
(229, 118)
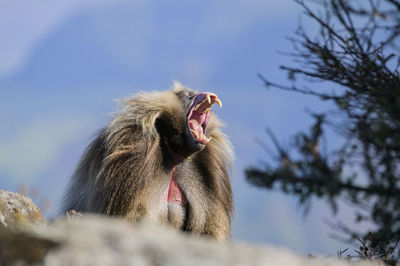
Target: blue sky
(64, 63)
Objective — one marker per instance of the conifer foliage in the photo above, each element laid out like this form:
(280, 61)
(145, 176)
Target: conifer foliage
(352, 62)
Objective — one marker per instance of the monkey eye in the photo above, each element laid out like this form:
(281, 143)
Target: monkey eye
(189, 94)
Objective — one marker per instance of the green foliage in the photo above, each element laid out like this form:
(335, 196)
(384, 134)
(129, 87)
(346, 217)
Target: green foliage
(355, 53)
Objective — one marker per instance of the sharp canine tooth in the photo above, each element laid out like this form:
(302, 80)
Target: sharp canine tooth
(218, 102)
(208, 139)
(208, 98)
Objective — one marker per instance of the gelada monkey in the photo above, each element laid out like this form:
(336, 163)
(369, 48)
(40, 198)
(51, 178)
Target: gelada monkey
(162, 157)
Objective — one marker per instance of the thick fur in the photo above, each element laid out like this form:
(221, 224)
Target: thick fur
(126, 170)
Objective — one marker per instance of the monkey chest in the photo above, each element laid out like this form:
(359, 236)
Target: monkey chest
(166, 199)
(176, 203)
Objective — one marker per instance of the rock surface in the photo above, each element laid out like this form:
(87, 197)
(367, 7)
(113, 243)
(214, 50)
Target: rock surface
(90, 240)
(16, 208)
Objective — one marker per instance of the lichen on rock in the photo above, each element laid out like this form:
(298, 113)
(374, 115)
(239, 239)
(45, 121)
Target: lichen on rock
(17, 208)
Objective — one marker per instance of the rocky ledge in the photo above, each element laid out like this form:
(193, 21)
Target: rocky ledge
(95, 240)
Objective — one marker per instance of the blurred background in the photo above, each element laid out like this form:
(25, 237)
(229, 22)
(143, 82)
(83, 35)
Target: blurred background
(64, 63)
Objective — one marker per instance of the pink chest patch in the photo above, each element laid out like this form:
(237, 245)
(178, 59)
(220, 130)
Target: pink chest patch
(175, 193)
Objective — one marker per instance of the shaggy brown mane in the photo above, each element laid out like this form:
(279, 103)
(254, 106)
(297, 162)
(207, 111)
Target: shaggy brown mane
(124, 169)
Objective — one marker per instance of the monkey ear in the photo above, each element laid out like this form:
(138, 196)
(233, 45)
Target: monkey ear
(177, 86)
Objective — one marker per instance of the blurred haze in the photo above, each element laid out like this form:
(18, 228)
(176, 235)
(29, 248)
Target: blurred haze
(63, 64)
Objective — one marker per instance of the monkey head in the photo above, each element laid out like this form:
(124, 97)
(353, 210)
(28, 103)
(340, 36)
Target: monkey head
(183, 130)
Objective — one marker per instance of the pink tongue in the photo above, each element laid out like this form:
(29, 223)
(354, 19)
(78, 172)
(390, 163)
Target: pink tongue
(193, 124)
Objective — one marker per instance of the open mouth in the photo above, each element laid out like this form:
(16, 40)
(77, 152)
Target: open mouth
(199, 113)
